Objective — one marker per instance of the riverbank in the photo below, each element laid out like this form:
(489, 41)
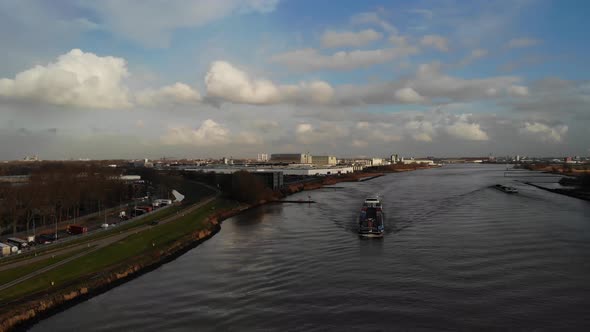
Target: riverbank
(576, 193)
(25, 310)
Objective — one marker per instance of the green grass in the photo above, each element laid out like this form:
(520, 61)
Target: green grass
(17, 272)
(132, 246)
(101, 234)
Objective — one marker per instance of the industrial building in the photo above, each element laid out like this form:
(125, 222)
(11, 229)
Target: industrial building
(291, 158)
(324, 160)
(273, 180)
(418, 161)
(286, 170)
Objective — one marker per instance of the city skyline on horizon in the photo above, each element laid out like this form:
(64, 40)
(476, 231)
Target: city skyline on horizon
(120, 80)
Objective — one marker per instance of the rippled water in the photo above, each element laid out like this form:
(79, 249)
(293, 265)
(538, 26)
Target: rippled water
(457, 255)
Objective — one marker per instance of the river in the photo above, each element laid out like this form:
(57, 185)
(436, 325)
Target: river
(457, 254)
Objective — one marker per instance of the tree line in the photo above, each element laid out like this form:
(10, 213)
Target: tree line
(57, 191)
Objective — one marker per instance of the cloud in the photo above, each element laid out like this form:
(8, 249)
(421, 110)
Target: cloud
(518, 91)
(545, 132)
(522, 42)
(357, 143)
(466, 131)
(436, 41)
(326, 133)
(408, 96)
(310, 60)
(151, 22)
(210, 133)
(475, 54)
(400, 41)
(248, 138)
(178, 93)
(420, 130)
(554, 98)
(226, 82)
(374, 19)
(432, 83)
(429, 83)
(348, 38)
(74, 79)
(479, 53)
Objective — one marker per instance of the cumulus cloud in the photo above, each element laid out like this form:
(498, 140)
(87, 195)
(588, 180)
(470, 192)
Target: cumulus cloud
(545, 132)
(522, 42)
(226, 82)
(436, 41)
(358, 143)
(248, 138)
(554, 98)
(151, 22)
(374, 19)
(310, 60)
(210, 133)
(431, 82)
(74, 79)
(178, 93)
(475, 54)
(428, 83)
(306, 133)
(400, 41)
(479, 53)
(349, 38)
(420, 130)
(408, 96)
(466, 131)
(518, 91)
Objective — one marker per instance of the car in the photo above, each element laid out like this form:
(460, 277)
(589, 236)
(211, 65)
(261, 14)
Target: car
(104, 226)
(46, 238)
(154, 222)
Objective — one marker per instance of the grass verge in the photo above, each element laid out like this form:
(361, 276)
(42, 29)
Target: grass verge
(132, 246)
(12, 274)
(101, 234)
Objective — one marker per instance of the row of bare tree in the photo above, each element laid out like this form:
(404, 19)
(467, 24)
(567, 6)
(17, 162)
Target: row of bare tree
(58, 191)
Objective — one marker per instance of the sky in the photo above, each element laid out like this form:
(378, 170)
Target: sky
(192, 79)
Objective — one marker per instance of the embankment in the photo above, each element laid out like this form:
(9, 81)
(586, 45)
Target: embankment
(576, 193)
(26, 311)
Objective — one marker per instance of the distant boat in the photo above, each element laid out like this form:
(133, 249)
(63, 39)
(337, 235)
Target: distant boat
(371, 219)
(506, 189)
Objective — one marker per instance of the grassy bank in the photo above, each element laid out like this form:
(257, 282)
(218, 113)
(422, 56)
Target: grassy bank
(17, 272)
(130, 249)
(42, 250)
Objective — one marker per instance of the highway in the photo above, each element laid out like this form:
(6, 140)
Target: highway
(93, 245)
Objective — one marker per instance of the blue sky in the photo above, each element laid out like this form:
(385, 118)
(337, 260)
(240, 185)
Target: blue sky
(130, 79)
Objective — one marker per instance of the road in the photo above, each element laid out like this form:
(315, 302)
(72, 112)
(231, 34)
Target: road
(96, 245)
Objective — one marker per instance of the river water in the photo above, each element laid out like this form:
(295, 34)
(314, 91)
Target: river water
(457, 255)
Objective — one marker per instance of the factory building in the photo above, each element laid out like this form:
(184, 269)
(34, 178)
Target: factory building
(418, 161)
(291, 158)
(285, 170)
(272, 180)
(324, 160)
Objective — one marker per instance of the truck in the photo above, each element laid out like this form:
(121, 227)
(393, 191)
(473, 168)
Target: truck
(147, 208)
(20, 243)
(5, 249)
(77, 229)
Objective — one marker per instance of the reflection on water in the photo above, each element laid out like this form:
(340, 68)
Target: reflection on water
(457, 255)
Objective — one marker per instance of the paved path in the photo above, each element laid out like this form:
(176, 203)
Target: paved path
(95, 244)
